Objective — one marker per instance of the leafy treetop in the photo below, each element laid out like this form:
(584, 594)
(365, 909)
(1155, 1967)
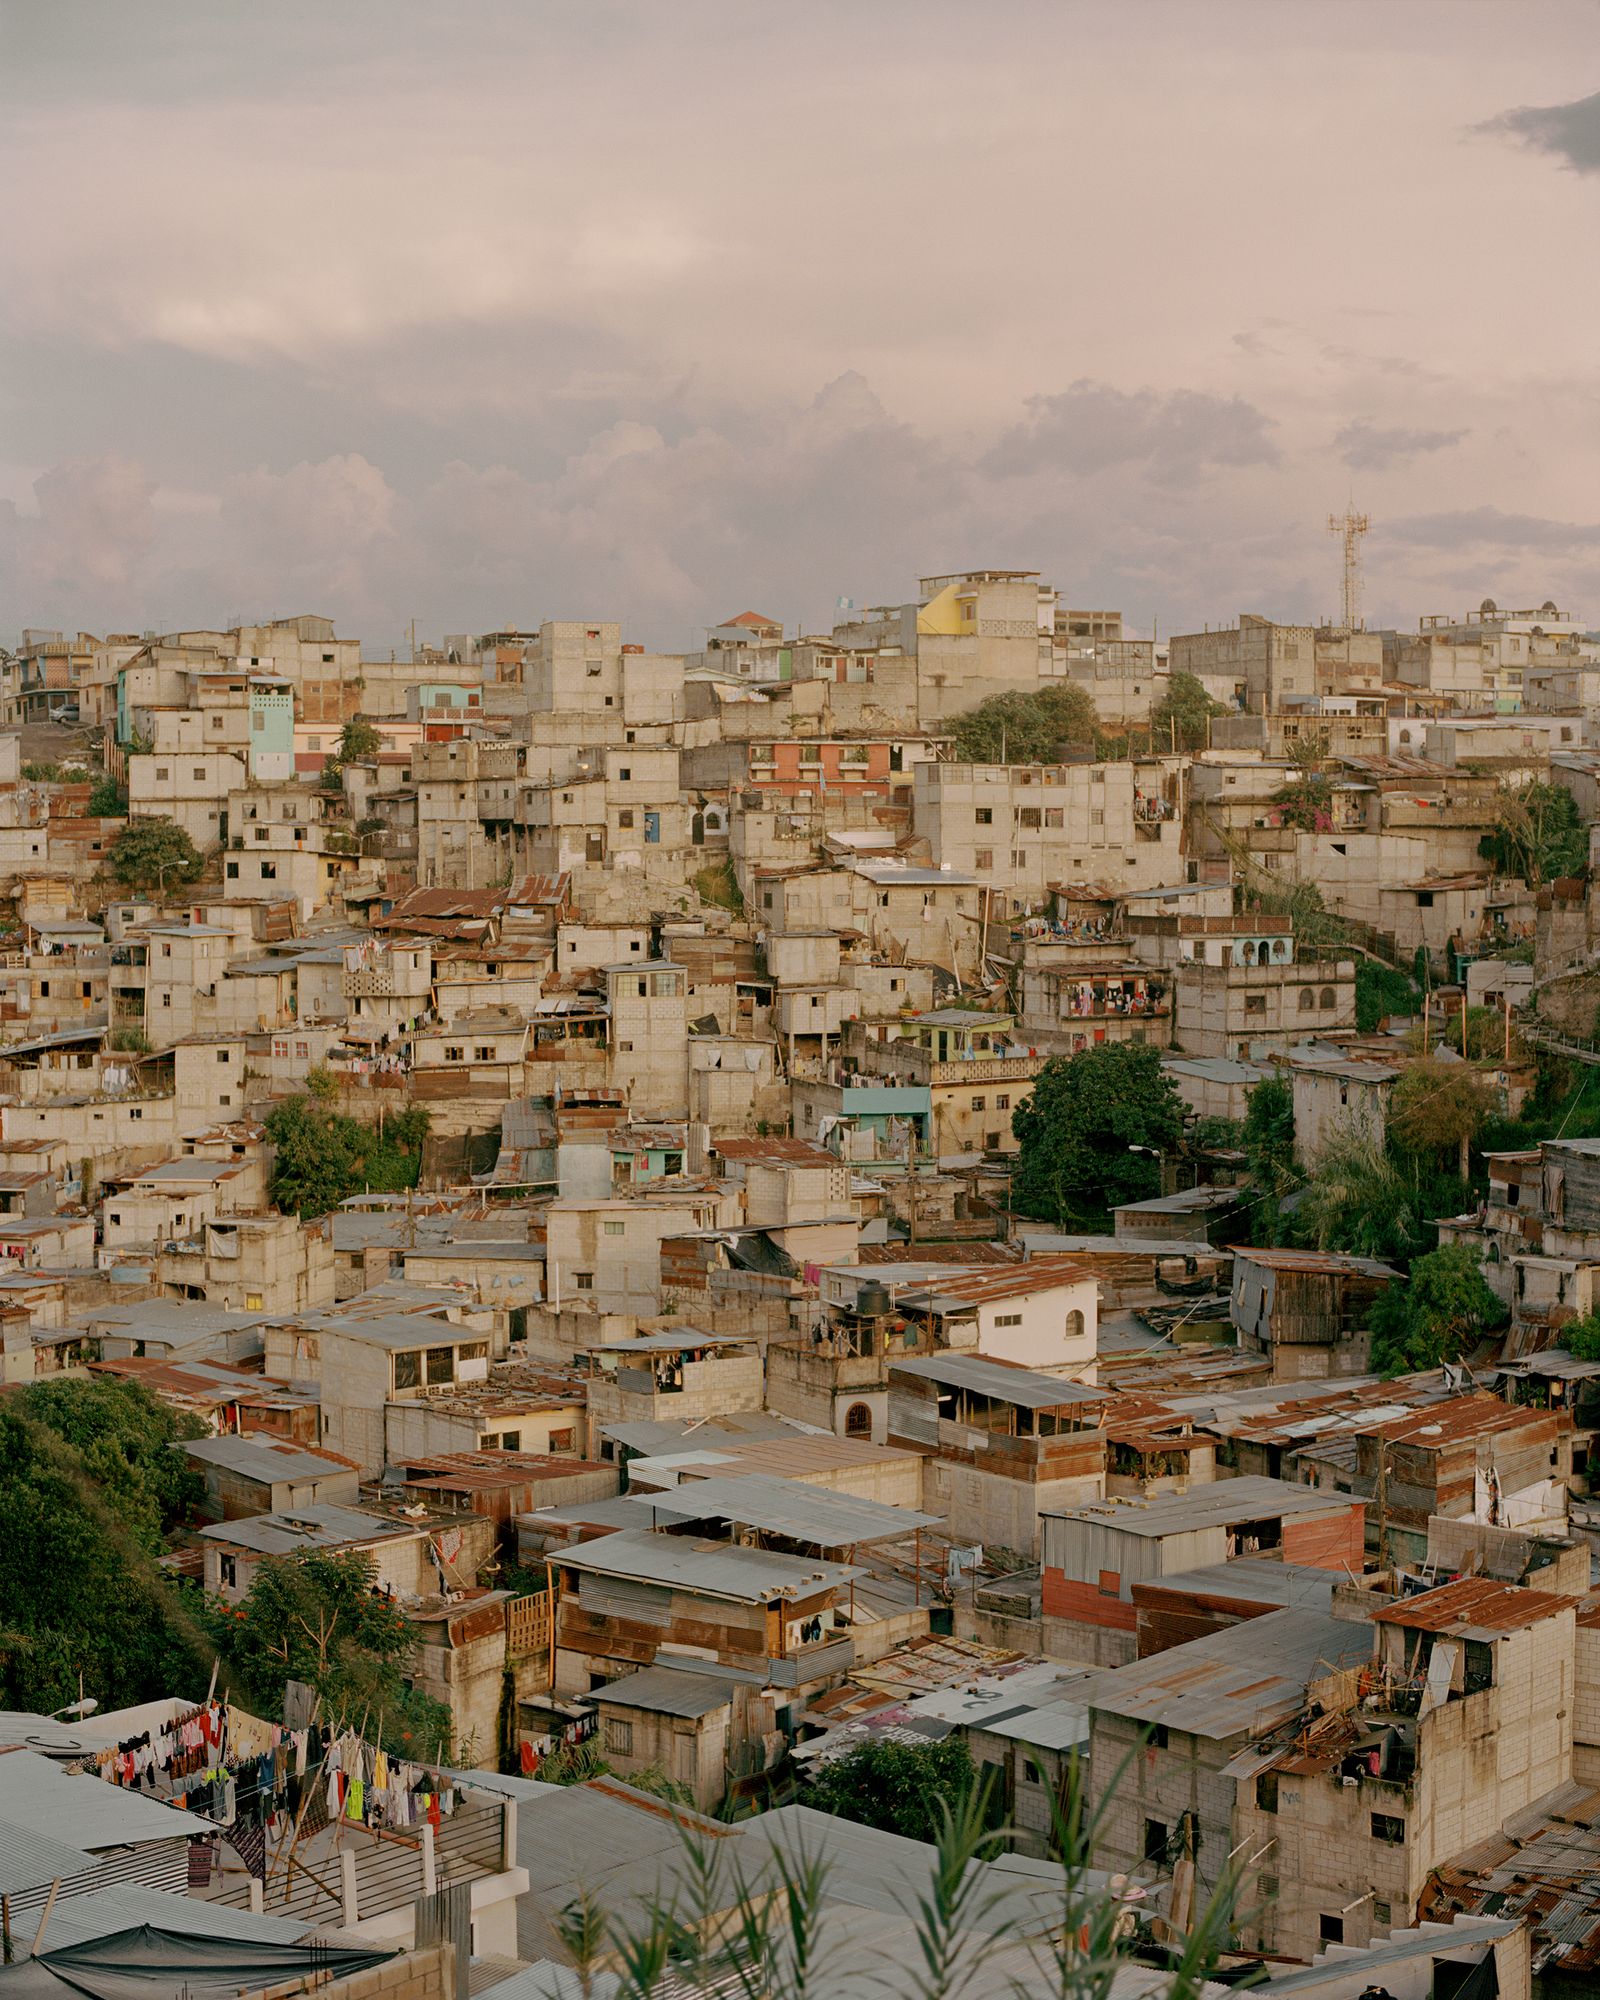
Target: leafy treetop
(1093, 1132)
(1444, 1310)
(322, 1157)
(1025, 728)
(897, 1787)
(1184, 713)
(154, 854)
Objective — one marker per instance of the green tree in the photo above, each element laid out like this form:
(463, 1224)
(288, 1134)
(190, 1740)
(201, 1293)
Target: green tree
(1306, 802)
(1581, 1337)
(1538, 834)
(321, 1157)
(317, 1617)
(1381, 990)
(88, 1483)
(357, 739)
(1268, 1140)
(1092, 1134)
(1185, 711)
(1358, 1202)
(1437, 1109)
(1444, 1310)
(107, 800)
(1025, 728)
(897, 1787)
(154, 854)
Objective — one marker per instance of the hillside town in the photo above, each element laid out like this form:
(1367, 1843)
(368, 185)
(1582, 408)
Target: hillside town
(613, 1257)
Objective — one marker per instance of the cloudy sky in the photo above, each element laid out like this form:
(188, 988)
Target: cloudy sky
(486, 313)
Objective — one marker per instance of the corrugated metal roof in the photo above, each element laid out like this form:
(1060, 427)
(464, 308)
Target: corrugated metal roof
(666, 1691)
(30, 1859)
(991, 1282)
(1000, 1380)
(86, 1813)
(1225, 1503)
(787, 1507)
(1236, 1681)
(713, 1569)
(1474, 1604)
(266, 1459)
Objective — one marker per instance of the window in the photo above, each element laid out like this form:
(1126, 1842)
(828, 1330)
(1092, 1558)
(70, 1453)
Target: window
(1308, 1000)
(858, 1421)
(252, 1302)
(1255, 1003)
(619, 1737)
(1155, 1840)
(1424, 899)
(233, 871)
(1325, 998)
(1002, 1103)
(230, 1572)
(1390, 1828)
(1110, 1583)
(1381, 1913)
(1331, 1930)
(269, 871)
(441, 1365)
(984, 816)
(454, 1052)
(665, 985)
(614, 1228)
(162, 773)
(983, 858)
(979, 1104)
(564, 1441)
(1267, 1792)
(1053, 817)
(258, 721)
(199, 773)
(483, 1052)
(625, 773)
(625, 817)
(583, 1280)
(222, 1055)
(1008, 1319)
(44, 989)
(407, 1370)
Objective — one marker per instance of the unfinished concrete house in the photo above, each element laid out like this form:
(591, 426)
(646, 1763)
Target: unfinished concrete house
(1001, 1445)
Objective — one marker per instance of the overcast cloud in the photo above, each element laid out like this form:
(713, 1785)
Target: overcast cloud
(603, 308)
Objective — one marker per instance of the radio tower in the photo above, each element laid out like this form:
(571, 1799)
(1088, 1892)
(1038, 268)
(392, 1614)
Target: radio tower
(1350, 529)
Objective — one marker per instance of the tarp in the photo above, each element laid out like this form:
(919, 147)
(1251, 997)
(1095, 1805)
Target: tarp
(142, 1963)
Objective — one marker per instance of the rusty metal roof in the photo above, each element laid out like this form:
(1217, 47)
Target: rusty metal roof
(1474, 1604)
(1456, 1422)
(1015, 1281)
(1329, 1262)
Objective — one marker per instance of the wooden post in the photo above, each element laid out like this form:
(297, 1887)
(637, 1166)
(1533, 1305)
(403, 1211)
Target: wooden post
(917, 1545)
(552, 1591)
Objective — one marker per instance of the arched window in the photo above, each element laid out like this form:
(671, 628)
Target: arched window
(1074, 1325)
(858, 1421)
(1327, 996)
(1308, 1000)
(1262, 952)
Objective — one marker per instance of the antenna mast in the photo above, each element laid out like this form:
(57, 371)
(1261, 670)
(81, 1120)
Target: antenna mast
(1350, 529)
